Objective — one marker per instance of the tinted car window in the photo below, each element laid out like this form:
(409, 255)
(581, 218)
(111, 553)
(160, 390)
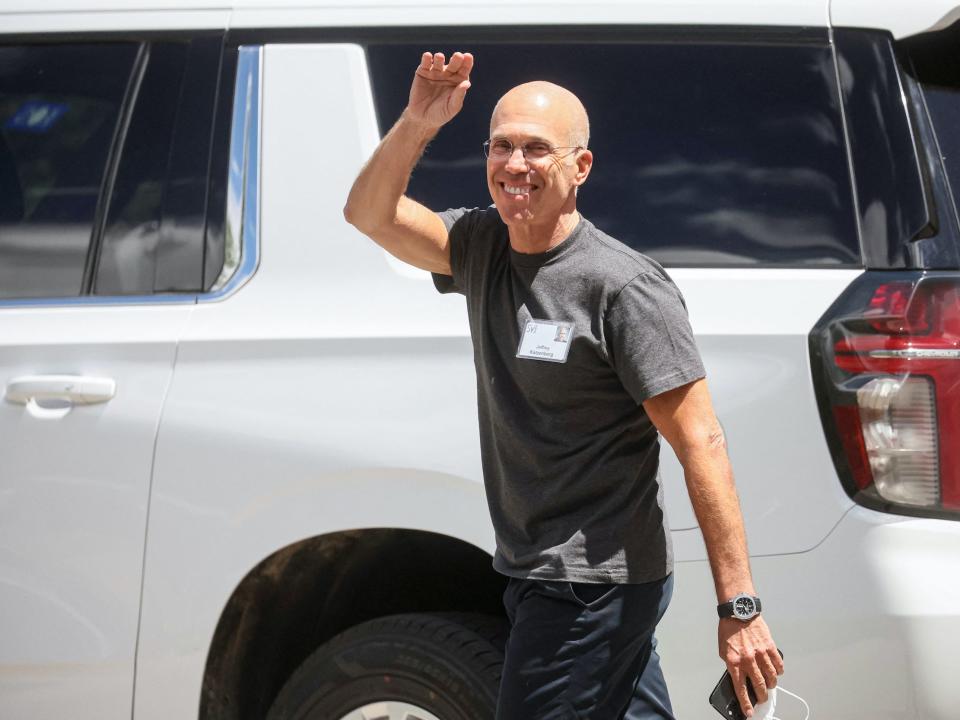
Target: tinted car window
(59, 107)
(153, 240)
(937, 67)
(705, 153)
(186, 208)
(895, 213)
(129, 248)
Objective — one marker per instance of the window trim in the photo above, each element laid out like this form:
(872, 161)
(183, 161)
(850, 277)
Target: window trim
(243, 222)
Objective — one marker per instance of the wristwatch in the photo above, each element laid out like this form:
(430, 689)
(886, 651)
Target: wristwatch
(742, 607)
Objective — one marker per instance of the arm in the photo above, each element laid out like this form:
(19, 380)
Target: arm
(685, 417)
(377, 205)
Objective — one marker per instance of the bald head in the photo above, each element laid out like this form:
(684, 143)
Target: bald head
(547, 102)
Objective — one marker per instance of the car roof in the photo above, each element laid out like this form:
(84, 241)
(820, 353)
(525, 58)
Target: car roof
(53, 16)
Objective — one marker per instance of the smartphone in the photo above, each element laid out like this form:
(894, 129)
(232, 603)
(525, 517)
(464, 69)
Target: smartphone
(724, 700)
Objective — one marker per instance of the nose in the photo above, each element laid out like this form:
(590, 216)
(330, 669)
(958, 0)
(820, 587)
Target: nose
(517, 162)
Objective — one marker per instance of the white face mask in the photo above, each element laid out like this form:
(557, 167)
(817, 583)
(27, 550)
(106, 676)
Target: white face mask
(764, 711)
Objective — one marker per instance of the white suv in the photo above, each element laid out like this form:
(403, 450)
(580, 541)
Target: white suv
(240, 472)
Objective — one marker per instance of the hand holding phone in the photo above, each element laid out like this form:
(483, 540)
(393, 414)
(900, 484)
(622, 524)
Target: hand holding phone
(723, 699)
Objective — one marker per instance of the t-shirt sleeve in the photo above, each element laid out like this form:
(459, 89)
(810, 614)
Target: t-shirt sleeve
(458, 223)
(649, 338)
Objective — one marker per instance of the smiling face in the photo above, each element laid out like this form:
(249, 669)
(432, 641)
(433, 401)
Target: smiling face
(537, 192)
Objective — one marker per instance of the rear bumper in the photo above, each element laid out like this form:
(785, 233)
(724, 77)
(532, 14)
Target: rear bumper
(915, 566)
(871, 618)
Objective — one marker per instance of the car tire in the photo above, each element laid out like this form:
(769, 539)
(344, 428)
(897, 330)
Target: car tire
(440, 665)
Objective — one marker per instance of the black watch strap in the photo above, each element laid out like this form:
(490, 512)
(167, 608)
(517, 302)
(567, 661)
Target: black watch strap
(725, 610)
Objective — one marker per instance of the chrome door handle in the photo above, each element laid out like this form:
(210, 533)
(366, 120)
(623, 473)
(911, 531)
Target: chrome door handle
(77, 389)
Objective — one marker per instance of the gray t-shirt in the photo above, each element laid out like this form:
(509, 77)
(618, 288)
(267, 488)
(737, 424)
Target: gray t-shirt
(570, 458)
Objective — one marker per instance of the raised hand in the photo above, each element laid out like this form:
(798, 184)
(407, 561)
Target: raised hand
(438, 89)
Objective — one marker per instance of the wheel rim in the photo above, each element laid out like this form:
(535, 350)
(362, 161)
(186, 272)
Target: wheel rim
(390, 710)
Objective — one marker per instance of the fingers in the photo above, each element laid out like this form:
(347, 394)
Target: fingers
(460, 64)
(769, 669)
(467, 65)
(758, 682)
(774, 657)
(459, 93)
(751, 656)
(740, 689)
(433, 64)
(456, 61)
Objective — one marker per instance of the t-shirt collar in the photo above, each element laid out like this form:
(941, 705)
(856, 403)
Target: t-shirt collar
(568, 245)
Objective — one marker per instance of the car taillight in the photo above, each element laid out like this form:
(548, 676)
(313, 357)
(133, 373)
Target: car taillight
(886, 363)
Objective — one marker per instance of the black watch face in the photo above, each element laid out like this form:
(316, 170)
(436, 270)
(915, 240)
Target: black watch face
(744, 607)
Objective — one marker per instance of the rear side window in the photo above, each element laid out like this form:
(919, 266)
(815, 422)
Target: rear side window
(130, 243)
(154, 231)
(59, 111)
(706, 153)
(936, 64)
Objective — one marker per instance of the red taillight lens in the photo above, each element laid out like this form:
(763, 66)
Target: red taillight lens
(894, 391)
(851, 434)
(895, 309)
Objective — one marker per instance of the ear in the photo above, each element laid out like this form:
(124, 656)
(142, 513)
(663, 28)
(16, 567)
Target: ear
(584, 162)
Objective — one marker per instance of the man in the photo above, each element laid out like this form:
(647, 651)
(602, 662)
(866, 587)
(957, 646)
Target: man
(583, 353)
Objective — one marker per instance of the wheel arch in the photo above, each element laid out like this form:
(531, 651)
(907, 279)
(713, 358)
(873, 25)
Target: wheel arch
(305, 593)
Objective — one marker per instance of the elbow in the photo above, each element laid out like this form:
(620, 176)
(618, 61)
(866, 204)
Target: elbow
(350, 214)
(701, 444)
(363, 220)
(353, 213)
(716, 439)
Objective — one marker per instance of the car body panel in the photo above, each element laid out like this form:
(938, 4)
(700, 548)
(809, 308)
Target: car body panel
(900, 19)
(73, 515)
(23, 16)
(875, 602)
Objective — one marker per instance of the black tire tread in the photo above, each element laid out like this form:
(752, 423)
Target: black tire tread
(475, 640)
(470, 635)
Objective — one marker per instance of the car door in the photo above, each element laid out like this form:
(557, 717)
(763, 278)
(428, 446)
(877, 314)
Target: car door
(100, 261)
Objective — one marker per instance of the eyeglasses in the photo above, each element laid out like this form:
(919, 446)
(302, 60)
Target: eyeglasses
(501, 149)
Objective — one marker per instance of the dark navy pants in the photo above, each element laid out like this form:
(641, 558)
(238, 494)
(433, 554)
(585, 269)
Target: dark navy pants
(583, 651)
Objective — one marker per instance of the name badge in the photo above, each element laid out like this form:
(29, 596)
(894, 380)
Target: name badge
(545, 340)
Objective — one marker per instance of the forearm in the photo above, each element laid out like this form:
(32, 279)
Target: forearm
(376, 193)
(685, 417)
(710, 485)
